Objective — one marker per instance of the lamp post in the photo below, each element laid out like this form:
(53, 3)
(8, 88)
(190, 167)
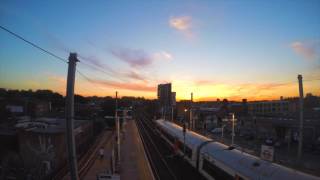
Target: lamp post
(184, 132)
(233, 134)
(222, 132)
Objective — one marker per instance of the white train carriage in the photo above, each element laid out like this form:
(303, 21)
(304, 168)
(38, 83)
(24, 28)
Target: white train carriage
(173, 133)
(214, 159)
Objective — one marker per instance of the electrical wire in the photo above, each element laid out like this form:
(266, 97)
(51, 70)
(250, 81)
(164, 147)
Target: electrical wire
(112, 73)
(33, 44)
(96, 68)
(88, 64)
(88, 79)
(58, 57)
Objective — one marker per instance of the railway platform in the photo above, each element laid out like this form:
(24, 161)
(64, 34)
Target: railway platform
(101, 164)
(90, 165)
(134, 162)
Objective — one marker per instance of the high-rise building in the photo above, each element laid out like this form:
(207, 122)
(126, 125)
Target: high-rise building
(165, 95)
(165, 100)
(173, 99)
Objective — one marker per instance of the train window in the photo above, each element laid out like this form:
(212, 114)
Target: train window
(215, 171)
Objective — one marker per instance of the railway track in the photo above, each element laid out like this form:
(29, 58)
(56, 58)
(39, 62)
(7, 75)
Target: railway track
(160, 152)
(85, 162)
(160, 168)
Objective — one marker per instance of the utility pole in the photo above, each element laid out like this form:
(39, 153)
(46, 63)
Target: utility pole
(233, 134)
(184, 139)
(70, 115)
(191, 119)
(301, 117)
(117, 128)
(118, 134)
(116, 112)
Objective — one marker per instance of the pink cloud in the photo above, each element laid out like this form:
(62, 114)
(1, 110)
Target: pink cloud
(56, 78)
(128, 86)
(204, 82)
(98, 63)
(182, 24)
(138, 58)
(135, 75)
(307, 50)
(134, 57)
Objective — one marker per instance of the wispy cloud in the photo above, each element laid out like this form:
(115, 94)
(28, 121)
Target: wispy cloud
(57, 82)
(307, 49)
(163, 55)
(55, 42)
(204, 82)
(182, 24)
(97, 62)
(56, 78)
(128, 86)
(134, 57)
(138, 58)
(135, 75)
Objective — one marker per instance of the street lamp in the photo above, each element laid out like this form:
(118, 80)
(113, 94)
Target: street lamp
(233, 134)
(184, 132)
(222, 128)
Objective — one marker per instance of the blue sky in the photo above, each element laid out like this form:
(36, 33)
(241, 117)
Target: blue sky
(216, 48)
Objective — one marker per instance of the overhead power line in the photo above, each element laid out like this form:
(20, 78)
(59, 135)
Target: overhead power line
(33, 44)
(88, 64)
(88, 79)
(96, 68)
(52, 54)
(84, 76)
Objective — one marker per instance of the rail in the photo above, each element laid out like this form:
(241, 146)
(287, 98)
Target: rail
(146, 137)
(86, 160)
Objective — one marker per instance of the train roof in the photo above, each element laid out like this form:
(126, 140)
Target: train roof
(247, 165)
(251, 166)
(192, 138)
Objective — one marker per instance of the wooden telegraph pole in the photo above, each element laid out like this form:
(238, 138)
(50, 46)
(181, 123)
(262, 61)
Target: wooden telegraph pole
(70, 115)
(301, 117)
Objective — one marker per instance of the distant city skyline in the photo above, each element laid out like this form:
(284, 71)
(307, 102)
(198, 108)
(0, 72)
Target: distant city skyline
(215, 49)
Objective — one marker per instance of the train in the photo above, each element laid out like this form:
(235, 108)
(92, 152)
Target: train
(217, 161)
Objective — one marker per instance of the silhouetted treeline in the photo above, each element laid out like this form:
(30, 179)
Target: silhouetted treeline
(84, 106)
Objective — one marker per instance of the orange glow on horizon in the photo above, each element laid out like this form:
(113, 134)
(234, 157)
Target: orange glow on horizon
(251, 92)
(203, 91)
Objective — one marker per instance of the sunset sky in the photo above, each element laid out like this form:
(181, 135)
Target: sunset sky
(215, 49)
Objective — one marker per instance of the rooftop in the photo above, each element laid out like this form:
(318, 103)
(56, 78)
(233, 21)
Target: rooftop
(46, 125)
